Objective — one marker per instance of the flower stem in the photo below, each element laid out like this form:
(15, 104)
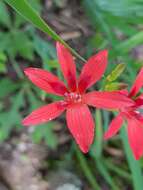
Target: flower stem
(121, 172)
(87, 172)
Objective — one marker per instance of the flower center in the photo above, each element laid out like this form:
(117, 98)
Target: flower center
(73, 97)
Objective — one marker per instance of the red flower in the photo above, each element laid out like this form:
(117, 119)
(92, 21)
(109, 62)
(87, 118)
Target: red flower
(134, 118)
(79, 118)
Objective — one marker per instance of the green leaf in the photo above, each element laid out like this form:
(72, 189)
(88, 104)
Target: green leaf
(36, 4)
(53, 64)
(4, 15)
(11, 118)
(115, 86)
(11, 44)
(7, 87)
(44, 132)
(122, 8)
(96, 40)
(2, 68)
(24, 8)
(99, 19)
(18, 21)
(3, 57)
(4, 41)
(3, 60)
(130, 43)
(24, 49)
(105, 14)
(116, 72)
(44, 49)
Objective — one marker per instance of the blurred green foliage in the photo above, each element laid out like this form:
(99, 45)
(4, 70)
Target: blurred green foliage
(20, 41)
(117, 26)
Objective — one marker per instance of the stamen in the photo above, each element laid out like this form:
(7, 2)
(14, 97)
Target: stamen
(72, 97)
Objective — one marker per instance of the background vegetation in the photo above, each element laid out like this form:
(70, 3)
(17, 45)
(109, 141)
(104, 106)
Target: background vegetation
(87, 26)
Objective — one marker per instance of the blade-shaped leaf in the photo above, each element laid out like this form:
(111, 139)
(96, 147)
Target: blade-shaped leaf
(26, 10)
(116, 72)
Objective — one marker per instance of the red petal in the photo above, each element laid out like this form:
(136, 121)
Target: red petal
(135, 137)
(139, 101)
(114, 127)
(137, 84)
(81, 125)
(133, 113)
(44, 113)
(139, 117)
(67, 65)
(124, 92)
(46, 81)
(93, 70)
(107, 100)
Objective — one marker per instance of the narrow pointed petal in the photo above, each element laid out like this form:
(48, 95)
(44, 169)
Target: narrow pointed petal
(46, 81)
(93, 70)
(114, 127)
(124, 92)
(107, 100)
(67, 65)
(135, 137)
(44, 113)
(139, 101)
(81, 126)
(137, 84)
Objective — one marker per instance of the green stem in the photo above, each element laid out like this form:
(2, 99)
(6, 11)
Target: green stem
(117, 170)
(87, 172)
(104, 172)
(99, 134)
